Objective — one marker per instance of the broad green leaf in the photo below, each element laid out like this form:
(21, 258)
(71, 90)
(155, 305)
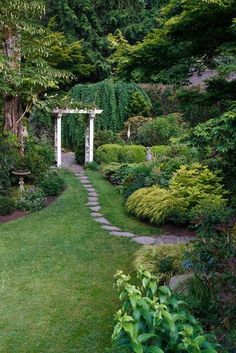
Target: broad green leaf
(146, 336)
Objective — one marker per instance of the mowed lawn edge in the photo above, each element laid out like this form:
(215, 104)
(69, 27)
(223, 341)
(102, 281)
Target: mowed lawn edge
(113, 207)
(56, 279)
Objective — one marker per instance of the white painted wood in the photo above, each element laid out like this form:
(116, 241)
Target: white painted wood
(86, 159)
(55, 138)
(77, 111)
(59, 140)
(91, 136)
(89, 133)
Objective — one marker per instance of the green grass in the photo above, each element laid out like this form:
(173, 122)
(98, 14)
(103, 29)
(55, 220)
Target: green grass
(112, 204)
(56, 279)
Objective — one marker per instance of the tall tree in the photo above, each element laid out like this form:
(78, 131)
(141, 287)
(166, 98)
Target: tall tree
(92, 21)
(191, 33)
(24, 70)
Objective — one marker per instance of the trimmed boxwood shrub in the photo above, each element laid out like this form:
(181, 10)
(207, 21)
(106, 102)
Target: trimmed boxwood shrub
(109, 153)
(113, 153)
(133, 154)
(7, 205)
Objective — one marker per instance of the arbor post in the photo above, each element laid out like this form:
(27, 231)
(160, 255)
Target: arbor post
(58, 139)
(89, 138)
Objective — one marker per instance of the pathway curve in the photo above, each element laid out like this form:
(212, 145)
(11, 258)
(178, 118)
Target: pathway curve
(68, 161)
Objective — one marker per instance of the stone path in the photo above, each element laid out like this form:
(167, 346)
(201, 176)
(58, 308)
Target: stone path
(68, 161)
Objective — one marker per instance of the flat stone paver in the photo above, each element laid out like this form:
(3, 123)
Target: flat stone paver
(89, 188)
(87, 182)
(122, 234)
(111, 228)
(92, 199)
(68, 161)
(92, 194)
(96, 214)
(95, 208)
(92, 203)
(102, 220)
(144, 240)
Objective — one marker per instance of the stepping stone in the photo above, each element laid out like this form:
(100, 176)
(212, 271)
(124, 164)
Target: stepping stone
(172, 239)
(95, 208)
(111, 228)
(96, 214)
(93, 194)
(102, 220)
(122, 234)
(90, 188)
(92, 199)
(83, 177)
(145, 240)
(85, 182)
(92, 203)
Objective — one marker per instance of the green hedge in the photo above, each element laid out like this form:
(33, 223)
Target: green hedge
(159, 150)
(111, 153)
(133, 154)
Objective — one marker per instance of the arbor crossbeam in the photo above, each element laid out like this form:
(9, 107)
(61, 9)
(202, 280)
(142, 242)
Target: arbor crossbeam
(89, 133)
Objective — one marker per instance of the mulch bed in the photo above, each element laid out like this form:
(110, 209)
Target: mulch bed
(19, 214)
(179, 231)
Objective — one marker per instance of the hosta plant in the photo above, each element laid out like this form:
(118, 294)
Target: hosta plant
(153, 320)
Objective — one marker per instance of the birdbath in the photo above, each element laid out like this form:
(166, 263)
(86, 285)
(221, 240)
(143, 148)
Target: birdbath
(21, 175)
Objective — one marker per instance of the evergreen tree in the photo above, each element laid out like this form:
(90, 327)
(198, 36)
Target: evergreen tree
(91, 21)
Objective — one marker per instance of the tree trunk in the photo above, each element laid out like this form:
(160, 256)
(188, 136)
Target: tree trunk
(12, 106)
(12, 109)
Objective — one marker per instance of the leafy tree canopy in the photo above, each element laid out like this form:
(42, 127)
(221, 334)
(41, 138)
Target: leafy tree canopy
(91, 21)
(190, 34)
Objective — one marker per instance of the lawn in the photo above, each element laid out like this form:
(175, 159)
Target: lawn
(113, 208)
(56, 283)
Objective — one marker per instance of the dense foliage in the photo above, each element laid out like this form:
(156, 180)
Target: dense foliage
(92, 21)
(190, 35)
(189, 189)
(164, 260)
(153, 319)
(118, 153)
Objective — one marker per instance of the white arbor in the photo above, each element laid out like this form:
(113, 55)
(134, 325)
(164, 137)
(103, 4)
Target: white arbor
(89, 133)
